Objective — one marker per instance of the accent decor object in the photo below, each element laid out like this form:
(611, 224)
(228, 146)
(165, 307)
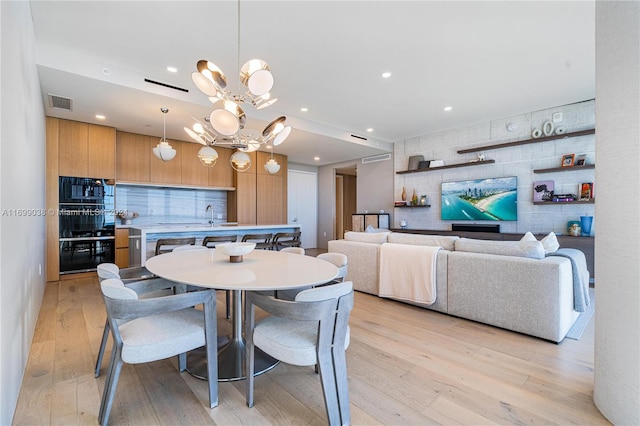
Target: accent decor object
(235, 251)
(585, 224)
(163, 150)
(225, 124)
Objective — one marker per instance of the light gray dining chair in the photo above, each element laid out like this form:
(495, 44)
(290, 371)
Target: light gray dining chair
(294, 250)
(312, 330)
(341, 262)
(128, 276)
(146, 330)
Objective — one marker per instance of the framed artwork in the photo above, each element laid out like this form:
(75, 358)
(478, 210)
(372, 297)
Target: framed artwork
(580, 160)
(567, 160)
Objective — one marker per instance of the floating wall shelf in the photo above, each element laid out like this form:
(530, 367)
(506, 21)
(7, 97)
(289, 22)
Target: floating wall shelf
(565, 169)
(449, 166)
(411, 207)
(528, 141)
(591, 201)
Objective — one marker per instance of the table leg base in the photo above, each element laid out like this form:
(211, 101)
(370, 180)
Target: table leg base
(231, 361)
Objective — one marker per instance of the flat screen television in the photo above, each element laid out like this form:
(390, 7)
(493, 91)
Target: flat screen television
(480, 199)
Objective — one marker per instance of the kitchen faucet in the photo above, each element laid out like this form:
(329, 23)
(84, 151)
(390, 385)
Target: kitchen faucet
(210, 207)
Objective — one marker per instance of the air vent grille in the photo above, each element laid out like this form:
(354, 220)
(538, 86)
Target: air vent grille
(166, 85)
(60, 103)
(374, 158)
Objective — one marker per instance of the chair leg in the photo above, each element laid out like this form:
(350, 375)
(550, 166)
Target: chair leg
(327, 378)
(110, 387)
(103, 345)
(342, 384)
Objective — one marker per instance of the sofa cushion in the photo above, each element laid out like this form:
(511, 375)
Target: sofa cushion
(367, 237)
(530, 249)
(444, 241)
(549, 243)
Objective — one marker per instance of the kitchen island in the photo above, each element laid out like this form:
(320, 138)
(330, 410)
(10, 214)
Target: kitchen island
(142, 239)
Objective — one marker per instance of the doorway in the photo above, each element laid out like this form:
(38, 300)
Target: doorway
(346, 198)
(302, 205)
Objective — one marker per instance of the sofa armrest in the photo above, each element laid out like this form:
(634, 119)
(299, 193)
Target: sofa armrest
(363, 261)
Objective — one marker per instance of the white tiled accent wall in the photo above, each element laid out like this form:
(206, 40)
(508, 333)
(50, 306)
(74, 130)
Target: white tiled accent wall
(517, 161)
(156, 205)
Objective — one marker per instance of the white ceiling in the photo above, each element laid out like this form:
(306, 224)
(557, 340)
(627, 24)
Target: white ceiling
(487, 60)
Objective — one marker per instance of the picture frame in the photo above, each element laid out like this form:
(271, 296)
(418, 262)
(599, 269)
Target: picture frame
(567, 160)
(543, 190)
(586, 191)
(580, 160)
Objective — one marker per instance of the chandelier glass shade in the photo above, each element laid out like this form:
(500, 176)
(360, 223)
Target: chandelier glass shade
(240, 161)
(164, 151)
(208, 156)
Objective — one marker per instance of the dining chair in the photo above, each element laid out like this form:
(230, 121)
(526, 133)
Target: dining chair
(341, 262)
(294, 250)
(127, 276)
(189, 247)
(210, 241)
(286, 239)
(312, 330)
(166, 245)
(146, 330)
(263, 241)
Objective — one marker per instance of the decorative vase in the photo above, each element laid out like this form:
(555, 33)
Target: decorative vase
(414, 198)
(404, 194)
(585, 223)
(573, 228)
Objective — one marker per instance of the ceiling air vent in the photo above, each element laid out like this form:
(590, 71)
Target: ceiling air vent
(374, 158)
(166, 85)
(60, 103)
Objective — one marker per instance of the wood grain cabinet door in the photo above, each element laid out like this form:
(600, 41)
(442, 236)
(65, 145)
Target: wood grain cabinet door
(221, 175)
(73, 148)
(167, 171)
(193, 171)
(132, 157)
(101, 154)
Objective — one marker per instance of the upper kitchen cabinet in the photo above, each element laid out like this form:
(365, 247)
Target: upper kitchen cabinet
(193, 171)
(133, 159)
(221, 175)
(169, 172)
(271, 191)
(86, 150)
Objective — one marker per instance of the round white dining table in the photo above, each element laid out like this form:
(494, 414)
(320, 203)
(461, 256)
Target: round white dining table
(260, 270)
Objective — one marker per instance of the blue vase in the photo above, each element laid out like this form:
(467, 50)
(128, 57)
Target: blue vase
(585, 224)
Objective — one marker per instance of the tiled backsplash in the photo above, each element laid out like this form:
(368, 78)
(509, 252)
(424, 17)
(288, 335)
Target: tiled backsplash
(156, 205)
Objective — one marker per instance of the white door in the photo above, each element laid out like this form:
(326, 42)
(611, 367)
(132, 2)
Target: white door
(302, 195)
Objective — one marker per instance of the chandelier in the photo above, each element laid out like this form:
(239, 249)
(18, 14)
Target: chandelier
(225, 125)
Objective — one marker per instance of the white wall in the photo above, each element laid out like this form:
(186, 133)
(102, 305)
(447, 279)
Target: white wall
(22, 184)
(617, 314)
(517, 161)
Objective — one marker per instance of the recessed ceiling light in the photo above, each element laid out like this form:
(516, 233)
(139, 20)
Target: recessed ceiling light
(304, 109)
(172, 69)
(386, 74)
(316, 158)
(100, 117)
(370, 129)
(448, 108)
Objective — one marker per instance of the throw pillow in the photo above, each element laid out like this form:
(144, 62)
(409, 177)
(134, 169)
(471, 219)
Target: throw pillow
(550, 243)
(528, 237)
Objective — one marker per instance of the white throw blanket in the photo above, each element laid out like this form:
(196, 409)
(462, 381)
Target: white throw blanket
(408, 272)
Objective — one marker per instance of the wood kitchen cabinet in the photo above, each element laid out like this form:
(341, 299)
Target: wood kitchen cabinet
(132, 157)
(122, 247)
(169, 172)
(86, 150)
(241, 203)
(193, 171)
(221, 175)
(271, 203)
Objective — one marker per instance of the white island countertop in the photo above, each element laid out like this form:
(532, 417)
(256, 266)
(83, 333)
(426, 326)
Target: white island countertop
(142, 238)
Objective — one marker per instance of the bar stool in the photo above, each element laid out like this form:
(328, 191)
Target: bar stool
(173, 243)
(286, 239)
(211, 240)
(263, 241)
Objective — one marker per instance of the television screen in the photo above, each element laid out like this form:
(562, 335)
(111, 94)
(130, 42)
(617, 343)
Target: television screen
(480, 199)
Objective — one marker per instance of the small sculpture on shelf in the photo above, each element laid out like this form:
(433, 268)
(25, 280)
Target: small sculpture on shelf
(404, 194)
(414, 198)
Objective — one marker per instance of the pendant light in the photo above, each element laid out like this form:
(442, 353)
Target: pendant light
(208, 156)
(271, 166)
(164, 151)
(240, 161)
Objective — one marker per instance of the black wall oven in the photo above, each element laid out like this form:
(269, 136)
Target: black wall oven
(87, 223)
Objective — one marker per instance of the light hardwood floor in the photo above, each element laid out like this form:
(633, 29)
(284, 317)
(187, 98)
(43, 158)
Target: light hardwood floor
(406, 365)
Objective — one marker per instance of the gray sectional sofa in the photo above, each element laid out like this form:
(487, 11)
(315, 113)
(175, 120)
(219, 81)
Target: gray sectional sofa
(508, 284)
